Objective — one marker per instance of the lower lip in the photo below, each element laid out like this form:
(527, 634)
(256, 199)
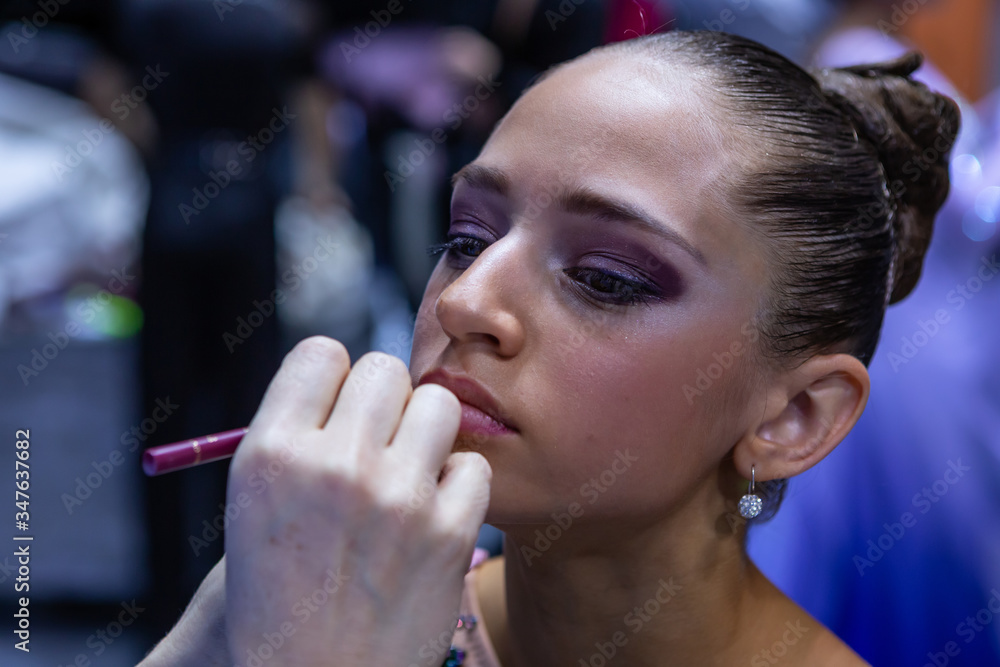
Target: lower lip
(475, 420)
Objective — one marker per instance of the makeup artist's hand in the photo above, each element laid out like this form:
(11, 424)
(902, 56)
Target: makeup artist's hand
(349, 550)
(199, 638)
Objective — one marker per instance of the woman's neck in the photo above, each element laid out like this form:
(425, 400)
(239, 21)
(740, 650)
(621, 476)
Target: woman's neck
(639, 593)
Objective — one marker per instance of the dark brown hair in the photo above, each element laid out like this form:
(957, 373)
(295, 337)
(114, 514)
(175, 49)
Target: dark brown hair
(855, 171)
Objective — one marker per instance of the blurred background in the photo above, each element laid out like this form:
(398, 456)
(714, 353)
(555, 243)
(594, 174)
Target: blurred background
(189, 187)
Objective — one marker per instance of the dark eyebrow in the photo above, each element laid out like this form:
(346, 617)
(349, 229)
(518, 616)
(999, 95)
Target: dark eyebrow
(483, 178)
(582, 201)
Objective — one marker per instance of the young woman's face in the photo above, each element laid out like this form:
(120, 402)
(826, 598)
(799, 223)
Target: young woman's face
(602, 185)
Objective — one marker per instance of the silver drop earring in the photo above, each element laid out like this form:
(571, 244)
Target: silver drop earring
(751, 504)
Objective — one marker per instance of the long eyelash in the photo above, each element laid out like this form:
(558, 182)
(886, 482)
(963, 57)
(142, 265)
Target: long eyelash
(452, 244)
(435, 249)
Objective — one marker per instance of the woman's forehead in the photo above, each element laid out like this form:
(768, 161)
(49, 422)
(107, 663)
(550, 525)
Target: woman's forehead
(612, 116)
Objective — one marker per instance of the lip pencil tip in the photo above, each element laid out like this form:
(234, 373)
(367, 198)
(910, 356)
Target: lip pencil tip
(148, 464)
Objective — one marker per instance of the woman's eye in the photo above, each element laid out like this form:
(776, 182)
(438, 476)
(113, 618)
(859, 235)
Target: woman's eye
(598, 284)
(459, 247)
(610, 287)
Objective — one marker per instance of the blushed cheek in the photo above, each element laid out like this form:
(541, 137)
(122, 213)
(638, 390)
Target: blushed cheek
(717, 391)
(615, 396)
(626, 398)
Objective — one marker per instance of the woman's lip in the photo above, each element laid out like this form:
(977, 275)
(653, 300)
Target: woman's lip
(470, 393)
(476, 421)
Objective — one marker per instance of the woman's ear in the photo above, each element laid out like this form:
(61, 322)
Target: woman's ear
(809, 411)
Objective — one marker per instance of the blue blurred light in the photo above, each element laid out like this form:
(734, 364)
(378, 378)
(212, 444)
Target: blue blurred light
(976, 228)
(988, 203)
(966, 172)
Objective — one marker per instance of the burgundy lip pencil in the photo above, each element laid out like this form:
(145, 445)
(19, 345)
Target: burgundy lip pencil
(190, 453)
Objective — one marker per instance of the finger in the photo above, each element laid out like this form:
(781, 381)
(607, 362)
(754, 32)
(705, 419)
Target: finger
(427, 431)
(371, 403)
(464, 491)
(303, 391)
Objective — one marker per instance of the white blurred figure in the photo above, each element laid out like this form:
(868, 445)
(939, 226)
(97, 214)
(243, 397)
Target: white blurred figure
(73, 195)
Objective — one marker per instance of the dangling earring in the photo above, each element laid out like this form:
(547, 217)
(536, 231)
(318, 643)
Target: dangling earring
(750, 504)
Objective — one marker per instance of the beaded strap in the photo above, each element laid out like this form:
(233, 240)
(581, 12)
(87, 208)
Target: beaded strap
(456, 656)
(467, 622)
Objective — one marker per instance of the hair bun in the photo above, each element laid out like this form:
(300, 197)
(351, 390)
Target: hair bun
(912, 129)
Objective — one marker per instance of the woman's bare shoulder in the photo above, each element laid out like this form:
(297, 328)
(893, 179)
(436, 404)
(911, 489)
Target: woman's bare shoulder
(805, 638)
(789, 634)
(829, 650)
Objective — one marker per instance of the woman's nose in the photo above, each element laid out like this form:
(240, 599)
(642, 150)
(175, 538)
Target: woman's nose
(483, 305)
